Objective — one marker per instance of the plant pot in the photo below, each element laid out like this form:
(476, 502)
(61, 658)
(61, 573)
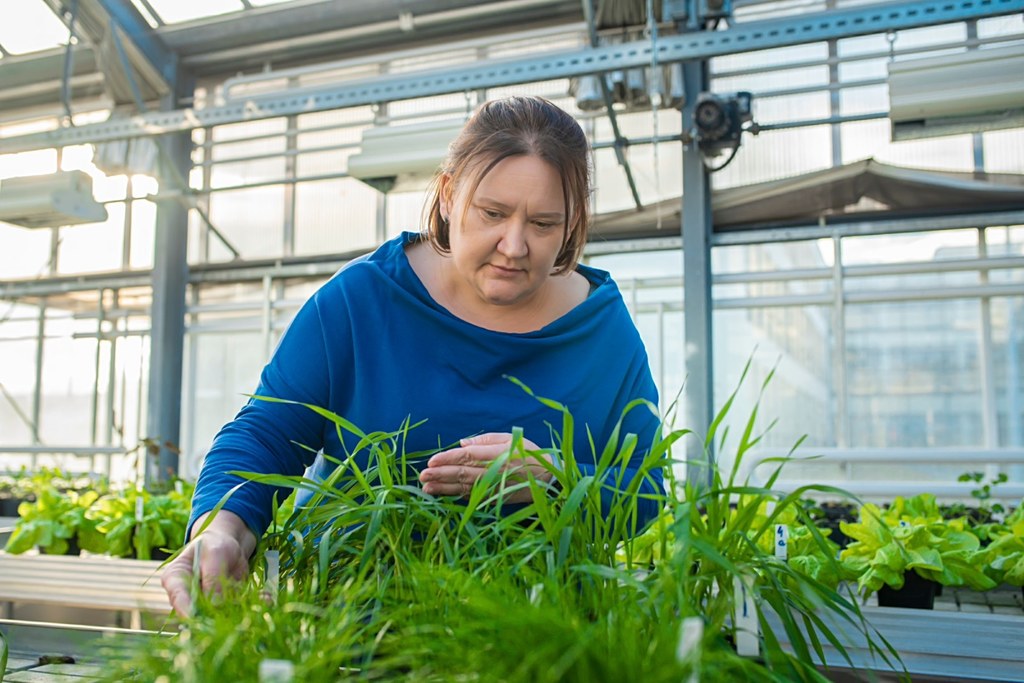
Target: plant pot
(159, 554)
(917, 593)
(9, 506)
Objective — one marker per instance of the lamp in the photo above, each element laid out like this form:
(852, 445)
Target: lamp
(43, 201)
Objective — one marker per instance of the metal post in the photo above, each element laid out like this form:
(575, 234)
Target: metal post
(696, 231)
(170, 277)
(840, 379)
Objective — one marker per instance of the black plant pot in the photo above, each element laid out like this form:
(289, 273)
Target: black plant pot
(158, 554)
(9, 506)
(917, 593)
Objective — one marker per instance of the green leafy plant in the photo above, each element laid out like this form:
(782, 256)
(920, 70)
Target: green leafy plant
(911, 535)
(54, 522)
(1003, 558)
(126, 533)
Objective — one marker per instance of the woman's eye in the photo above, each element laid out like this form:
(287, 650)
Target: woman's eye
(490, 213)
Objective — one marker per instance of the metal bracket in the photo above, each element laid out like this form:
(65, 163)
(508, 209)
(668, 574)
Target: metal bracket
(831, 24)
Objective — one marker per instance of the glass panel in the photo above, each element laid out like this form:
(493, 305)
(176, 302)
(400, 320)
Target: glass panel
(252, 220)
(794, 340)
(804, 107)
(18, 330)
(32, 27)
(226, 367)
(24, 253)
(1008, 369)
(172, 11)
(334, 215)
(869, 99)
(143, 233)
(769, 256)
(1004, 151)
(69, 380)
(864, 139)
(781, 79)
(951, 153)
(776, 154)
(405, 212)
(913, 373)
(94, 247)
(999, 26)
(239, 149)
(777, 56)
(241, 173)
(910, 247)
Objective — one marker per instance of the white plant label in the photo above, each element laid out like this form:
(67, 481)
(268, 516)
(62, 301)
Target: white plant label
(748, 630)
(272, 581)
(782, 541)
(277, 671)
(691, 635)
(139, 507)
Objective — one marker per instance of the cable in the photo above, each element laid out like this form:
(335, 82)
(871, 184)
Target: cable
(732, 155)
(177, 179)
(65, 85)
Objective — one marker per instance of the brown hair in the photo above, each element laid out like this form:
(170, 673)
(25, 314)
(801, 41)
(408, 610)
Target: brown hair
(518, 126)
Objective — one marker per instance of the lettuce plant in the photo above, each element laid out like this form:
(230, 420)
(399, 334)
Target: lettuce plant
(1003, 558)
(53, 521)
(911, 536)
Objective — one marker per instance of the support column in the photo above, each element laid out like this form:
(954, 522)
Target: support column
(167, 337)
(696, 229)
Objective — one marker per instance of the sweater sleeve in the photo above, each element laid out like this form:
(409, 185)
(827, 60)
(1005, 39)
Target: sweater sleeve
(267, 437)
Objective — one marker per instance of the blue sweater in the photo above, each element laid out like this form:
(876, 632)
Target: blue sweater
(372, 346)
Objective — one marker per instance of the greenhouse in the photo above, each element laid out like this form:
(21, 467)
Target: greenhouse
(511, 340)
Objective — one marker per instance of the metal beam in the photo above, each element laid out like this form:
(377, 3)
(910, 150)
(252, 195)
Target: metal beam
(142, 36)
(495, 73)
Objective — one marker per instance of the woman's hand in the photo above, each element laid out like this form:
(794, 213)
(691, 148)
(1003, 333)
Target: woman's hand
(223, 548)
(453, 472)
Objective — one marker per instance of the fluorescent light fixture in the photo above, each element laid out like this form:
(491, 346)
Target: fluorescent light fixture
(965, 92)
(403, 158)
(45, 201)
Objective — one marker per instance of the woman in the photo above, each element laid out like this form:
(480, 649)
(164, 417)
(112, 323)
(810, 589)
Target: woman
(430, 327)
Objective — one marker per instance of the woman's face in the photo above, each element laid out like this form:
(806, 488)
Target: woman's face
(506, 238)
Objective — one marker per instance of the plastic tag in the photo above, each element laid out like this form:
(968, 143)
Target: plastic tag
(691, 635)
(748, 629)
(139, 508)
(782, 541)
(178, 487)
(272, 580)
(276, 671)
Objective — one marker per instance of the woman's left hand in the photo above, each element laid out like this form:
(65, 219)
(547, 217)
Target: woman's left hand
(453, 472)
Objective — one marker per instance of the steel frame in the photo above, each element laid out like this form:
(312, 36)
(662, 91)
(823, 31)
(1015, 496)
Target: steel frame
(832, 24)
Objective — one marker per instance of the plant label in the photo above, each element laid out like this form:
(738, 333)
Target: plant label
(691, 634)
(748, 630)
(272, 580)
(782, 541)
(276, 671)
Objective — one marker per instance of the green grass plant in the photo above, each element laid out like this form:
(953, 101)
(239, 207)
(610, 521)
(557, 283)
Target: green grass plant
(381, 581)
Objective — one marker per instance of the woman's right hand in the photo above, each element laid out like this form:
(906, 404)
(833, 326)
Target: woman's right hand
(223, 549)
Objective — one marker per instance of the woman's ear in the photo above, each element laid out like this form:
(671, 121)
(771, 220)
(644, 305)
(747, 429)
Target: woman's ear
(444, 195)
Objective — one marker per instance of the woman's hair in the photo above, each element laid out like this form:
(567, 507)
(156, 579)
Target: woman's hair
(518, 126)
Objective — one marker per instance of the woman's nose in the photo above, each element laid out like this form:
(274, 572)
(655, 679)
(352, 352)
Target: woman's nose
(513, 239)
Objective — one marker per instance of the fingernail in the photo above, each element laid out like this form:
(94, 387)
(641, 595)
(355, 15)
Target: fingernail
(465, 442)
